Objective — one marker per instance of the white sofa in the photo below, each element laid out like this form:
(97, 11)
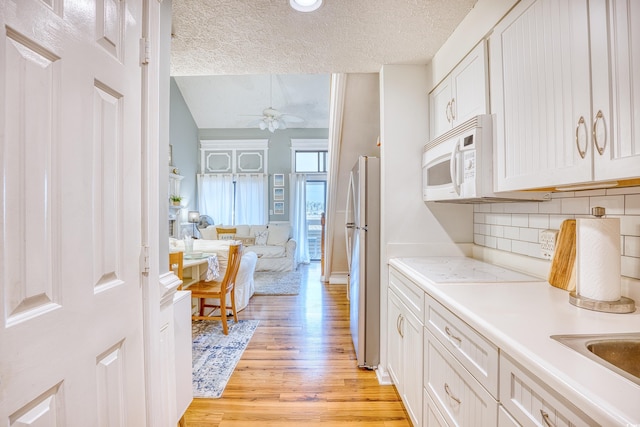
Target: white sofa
(245, 286)
(276, 253)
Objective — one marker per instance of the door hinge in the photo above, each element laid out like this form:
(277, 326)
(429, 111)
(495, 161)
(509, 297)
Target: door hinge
(145, 260)
(145, 51)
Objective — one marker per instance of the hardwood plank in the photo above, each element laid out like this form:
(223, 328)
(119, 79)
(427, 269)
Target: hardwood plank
(300, 369)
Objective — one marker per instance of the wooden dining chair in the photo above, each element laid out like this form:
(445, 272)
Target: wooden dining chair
(176, 260)
(219, 290)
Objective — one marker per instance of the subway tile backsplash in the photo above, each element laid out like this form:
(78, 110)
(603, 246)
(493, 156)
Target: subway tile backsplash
(516, 227)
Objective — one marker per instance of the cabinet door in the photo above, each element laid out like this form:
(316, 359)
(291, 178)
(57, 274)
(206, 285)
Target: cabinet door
(412, 332)
(394, 349)
(469, 84)
(440, 109)
(540, 93)
(615, 46)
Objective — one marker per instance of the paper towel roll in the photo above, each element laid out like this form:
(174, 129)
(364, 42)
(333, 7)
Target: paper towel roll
(598, 258)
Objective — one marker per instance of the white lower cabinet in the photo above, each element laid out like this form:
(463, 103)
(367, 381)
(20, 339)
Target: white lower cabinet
(404, 330)
(531, 403)
(459, 396)
(449, 375)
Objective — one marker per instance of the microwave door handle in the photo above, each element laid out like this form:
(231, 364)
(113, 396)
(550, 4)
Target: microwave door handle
(453, 169)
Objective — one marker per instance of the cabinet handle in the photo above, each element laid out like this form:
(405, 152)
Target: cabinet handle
(401, 326)
(545, 419)
(581, 123)
(455, 399)
(448, 112)
(595, 133)
(398, 324)
(453, 108)
(457, 338)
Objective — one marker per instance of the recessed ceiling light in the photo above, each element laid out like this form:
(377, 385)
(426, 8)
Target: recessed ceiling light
(305, 5)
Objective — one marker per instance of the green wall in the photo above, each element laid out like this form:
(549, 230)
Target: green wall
(183, 136)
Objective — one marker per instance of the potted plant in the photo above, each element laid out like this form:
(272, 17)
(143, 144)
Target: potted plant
(175, 200)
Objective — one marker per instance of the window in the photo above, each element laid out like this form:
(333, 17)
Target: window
(316, 193)
(310, 161)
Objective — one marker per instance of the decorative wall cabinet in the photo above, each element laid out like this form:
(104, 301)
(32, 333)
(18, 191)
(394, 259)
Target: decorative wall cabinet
(404, 330)
(234, 156)
(461, 95)
(565, 88)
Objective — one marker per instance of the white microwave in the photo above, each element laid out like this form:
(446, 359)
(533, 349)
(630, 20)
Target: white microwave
(457, 166)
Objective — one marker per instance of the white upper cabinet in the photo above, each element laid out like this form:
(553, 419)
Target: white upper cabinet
(461, 95)
(562, 117)
(616, 88)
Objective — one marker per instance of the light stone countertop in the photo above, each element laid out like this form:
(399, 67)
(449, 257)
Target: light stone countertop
(519, 318)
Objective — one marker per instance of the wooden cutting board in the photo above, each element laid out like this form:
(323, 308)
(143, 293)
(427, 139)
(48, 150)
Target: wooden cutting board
(563, 266)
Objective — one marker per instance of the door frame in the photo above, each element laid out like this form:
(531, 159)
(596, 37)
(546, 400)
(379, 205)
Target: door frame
(159, 284)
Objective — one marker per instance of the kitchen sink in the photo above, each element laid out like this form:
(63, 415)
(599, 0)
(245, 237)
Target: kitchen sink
(618, 352)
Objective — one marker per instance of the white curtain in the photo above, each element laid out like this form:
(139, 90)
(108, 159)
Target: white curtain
(215, 197)
(298, 215)
(251, 199)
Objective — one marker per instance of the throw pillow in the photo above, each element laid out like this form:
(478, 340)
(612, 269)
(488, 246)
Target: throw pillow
(226, 233)
(247, 241)
(278, 234)
(261, 237)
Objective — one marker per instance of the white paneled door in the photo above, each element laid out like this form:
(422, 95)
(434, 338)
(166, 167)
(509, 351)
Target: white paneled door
(71, 347)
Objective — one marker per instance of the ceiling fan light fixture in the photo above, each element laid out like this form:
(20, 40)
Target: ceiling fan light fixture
(305, 5)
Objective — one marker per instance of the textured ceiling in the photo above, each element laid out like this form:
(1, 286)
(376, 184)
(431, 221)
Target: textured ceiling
(232, 37)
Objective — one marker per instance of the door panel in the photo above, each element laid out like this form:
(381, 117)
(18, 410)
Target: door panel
(70, 160)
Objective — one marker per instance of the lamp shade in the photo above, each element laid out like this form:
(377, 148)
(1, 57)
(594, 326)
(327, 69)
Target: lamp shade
(193, 216)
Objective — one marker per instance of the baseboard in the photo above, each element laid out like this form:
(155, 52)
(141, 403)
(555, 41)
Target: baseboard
(339, 279)
(383, 376)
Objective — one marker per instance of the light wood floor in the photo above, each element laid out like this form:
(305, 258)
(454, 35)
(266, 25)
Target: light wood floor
(299, 369)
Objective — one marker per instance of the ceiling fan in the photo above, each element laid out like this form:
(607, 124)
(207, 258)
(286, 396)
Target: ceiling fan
(273, 119)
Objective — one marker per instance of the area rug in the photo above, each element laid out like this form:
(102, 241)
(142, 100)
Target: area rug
(277, 283)
(216, 355)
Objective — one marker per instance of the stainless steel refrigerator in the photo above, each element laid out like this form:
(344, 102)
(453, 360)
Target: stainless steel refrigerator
(362, 230)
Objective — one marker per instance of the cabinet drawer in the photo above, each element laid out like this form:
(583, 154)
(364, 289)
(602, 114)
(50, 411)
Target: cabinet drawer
(529, 401)
(460, 398)
(506, 420)
(478, 355)
(432, 415)
(409, 293)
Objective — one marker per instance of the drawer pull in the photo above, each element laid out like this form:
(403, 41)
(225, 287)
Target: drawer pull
(448, 331)
(595, 133)
(455, 399)
(581, 126)
(401, 326)
(546, 420)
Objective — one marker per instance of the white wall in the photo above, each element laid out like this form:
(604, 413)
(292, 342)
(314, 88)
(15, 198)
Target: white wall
(409, 226)
(360, 130)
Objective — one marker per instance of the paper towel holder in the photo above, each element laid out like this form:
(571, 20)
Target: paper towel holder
(623, 305)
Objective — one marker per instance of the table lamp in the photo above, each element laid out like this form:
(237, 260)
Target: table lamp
(193, 217)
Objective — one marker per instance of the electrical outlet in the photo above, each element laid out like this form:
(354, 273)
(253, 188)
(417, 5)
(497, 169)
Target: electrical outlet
(548, 243)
